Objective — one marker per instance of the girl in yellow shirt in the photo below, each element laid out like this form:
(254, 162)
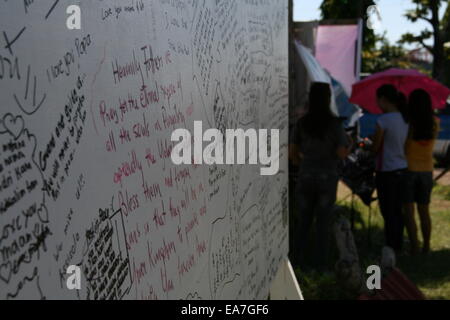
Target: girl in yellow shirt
(423, 131)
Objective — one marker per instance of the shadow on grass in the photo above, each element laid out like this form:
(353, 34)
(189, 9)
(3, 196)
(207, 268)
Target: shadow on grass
(368, 232)
(319, 286)
(325, 286)
(426, 271)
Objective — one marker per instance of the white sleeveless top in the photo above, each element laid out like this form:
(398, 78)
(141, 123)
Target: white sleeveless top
(392, 156)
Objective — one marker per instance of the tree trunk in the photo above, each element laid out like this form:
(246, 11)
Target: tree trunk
(438, 47)
(446, 37)
(439, 60)
(446, 28)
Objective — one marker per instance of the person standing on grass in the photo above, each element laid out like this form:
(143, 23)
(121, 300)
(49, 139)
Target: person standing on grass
(318, 142)
(423, 131)
(391, 165)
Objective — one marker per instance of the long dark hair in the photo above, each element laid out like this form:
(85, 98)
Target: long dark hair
(421, 113)
(397, 98)
(316, 123)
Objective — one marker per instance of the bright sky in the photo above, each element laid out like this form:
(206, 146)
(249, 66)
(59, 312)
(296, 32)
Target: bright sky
(392, 14)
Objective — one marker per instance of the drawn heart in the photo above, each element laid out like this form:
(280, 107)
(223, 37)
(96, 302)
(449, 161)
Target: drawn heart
(43, 214)
(14, 125)
(5, 272)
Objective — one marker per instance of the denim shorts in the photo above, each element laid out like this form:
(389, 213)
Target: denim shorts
(418, 187)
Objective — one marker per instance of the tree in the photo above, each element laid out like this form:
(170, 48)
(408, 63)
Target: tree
(446, 22)
(428, 10)
(350, 9)
(353, 9)
(385, 56)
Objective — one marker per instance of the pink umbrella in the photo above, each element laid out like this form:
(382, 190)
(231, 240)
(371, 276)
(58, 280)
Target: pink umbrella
(406, 81)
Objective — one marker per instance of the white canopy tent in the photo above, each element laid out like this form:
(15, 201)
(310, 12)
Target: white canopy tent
(315, 71)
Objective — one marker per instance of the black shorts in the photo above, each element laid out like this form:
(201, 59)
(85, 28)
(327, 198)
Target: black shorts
(418, 187)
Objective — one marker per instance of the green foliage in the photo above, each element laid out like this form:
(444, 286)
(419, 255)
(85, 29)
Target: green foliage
(421, 10)
(442, 191)
(386, 55)
(379, 54)
(343, 9)
(350, 9)
(321, 286)
(420, 38)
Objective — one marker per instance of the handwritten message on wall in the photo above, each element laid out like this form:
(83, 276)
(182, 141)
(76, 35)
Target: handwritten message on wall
(86, 176)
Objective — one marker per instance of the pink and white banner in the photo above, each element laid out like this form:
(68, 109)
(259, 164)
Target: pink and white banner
(338, 51)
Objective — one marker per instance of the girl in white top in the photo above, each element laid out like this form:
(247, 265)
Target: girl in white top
(389, 145)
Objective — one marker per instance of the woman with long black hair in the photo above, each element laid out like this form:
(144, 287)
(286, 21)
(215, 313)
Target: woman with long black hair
(423, 131)
(318, 143)
(389, 146)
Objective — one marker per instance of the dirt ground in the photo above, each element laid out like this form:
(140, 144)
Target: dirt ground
(344, 193)
(445, 180)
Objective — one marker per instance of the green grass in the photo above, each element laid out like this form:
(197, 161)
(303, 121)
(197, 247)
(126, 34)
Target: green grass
(431, 273)
(442, 192)
(316, 286)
